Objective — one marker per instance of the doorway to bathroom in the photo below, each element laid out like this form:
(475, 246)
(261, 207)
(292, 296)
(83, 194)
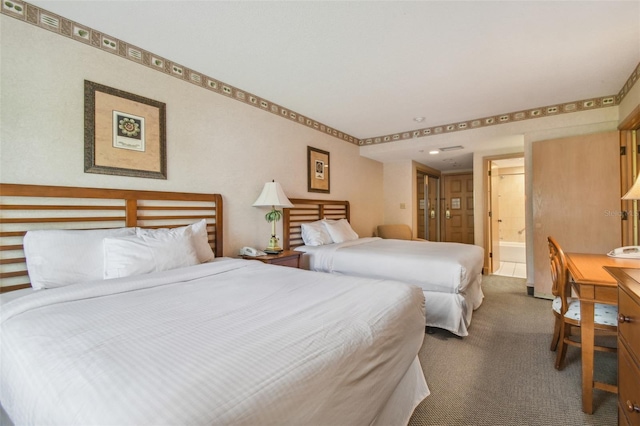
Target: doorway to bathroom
(506, 216)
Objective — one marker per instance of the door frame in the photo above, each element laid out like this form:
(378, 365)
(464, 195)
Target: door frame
(486, 185)
(427, 171)
(420, 212)
(429, 206)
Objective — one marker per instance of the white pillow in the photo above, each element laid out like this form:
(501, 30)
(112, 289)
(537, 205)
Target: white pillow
(60, 257)
(199, 234)
(315, 234)
(340, 231)
(143, 254)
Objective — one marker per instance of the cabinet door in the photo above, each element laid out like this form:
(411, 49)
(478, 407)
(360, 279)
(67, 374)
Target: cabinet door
(576, 198)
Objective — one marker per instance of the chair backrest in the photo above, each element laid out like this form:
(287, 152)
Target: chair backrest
(559, 273)
(397, 232)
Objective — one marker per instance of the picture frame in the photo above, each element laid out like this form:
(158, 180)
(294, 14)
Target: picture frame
(124, 133)
(318, 171)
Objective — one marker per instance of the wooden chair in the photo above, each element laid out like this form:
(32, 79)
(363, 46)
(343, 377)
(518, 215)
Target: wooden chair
(567, 309)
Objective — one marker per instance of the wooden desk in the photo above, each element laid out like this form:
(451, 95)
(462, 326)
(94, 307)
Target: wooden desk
(593, 285)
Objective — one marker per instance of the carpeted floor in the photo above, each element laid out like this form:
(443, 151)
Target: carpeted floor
(503, 372)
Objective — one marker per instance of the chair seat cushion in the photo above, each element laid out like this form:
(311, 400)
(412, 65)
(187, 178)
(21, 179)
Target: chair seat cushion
(603, 314)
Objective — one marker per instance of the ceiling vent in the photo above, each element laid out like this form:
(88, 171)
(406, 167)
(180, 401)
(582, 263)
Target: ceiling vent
(451, 148)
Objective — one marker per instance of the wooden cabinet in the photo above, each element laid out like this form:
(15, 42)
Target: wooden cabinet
(629, 352)
(628, 345)
(286, 258)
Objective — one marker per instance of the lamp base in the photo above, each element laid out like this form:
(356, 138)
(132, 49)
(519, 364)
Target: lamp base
(273, 247)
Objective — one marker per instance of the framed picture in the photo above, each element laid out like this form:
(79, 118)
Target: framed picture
(124, 134)
(318, 170)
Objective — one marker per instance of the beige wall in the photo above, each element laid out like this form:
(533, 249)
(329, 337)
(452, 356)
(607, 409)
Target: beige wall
(399, 189)
(547, 134)
(516, 138)
(214, 144)
(512, 138)
(576, 181)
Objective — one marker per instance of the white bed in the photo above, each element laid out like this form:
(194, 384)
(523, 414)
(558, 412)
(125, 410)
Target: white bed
(450, 274)
(228, 341)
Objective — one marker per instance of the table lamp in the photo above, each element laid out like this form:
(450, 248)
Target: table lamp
(634, 194)
(634, 191)
(273, 196)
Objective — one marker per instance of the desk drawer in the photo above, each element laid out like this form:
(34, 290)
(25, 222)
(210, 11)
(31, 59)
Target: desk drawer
(629, 330)
(628, 386)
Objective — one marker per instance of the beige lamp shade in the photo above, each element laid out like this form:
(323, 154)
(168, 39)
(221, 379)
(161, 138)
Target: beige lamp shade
(634, 192)
(272, 196)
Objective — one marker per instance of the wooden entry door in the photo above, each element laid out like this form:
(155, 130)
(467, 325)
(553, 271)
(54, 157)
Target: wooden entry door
(458, 208)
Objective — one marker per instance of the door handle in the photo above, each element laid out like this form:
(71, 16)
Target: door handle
(447, 213)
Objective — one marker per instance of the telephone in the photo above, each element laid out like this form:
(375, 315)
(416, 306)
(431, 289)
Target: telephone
(250, 251)
(628, 252)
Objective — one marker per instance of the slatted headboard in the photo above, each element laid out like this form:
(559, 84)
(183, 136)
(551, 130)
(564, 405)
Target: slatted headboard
(27, 207)
(305, 211)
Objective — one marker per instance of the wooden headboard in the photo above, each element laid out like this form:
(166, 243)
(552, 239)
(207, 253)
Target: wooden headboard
(28, 207)
(305, 211)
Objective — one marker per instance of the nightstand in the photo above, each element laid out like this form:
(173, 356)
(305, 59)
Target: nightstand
(286, 258)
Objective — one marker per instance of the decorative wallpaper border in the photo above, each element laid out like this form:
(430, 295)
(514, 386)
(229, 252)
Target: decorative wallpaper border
(511, 117)
(563, 108)
(50, 21)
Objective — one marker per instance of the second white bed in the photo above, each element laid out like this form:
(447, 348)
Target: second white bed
(450, 274)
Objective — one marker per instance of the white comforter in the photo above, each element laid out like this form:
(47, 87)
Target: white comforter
(230, 342)
(438, 267)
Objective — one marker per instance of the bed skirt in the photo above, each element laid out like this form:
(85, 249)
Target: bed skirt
(411, 390)
(453, 311)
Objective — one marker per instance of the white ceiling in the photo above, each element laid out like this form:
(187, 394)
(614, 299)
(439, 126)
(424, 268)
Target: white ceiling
(368, 68)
